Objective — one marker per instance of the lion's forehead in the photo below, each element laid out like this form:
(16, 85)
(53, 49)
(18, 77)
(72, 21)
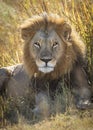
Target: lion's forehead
(48, 36)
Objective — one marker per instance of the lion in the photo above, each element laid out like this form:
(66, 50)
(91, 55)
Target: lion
(52, 50)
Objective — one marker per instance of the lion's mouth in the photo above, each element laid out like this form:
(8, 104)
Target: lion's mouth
(46, 69)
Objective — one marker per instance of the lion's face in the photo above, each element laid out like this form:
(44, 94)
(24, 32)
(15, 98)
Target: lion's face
(46, 49)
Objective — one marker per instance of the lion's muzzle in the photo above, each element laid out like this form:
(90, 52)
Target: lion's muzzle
(46, 65)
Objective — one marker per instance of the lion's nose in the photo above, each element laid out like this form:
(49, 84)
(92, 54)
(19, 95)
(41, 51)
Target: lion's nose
(46, 60)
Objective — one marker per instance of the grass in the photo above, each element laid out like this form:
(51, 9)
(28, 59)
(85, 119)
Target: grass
(65, 117)
(60, 122)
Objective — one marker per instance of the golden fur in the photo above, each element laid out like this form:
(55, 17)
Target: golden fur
(73, 46)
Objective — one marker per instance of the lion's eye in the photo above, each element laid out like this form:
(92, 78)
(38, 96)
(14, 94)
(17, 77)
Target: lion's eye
(37, 44)
(55, 44)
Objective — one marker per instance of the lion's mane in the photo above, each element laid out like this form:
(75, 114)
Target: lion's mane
(74, 48)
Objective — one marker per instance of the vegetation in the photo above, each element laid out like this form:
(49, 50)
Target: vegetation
(12, 14)
(61, 122)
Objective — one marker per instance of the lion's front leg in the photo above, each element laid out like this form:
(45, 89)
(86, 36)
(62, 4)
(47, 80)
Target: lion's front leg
(42, 98)
(42, 106)
(81, 88)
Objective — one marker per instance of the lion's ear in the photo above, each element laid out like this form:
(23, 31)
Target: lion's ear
(25, 33)
(66, 31)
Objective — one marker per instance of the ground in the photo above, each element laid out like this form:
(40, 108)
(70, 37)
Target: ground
(74, 120)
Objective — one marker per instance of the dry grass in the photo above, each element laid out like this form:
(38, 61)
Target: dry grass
(60, 122)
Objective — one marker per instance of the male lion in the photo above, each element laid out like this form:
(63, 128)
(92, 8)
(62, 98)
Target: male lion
(52, 50)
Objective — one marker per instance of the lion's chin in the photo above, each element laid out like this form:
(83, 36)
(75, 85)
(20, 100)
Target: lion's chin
(46, 69)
